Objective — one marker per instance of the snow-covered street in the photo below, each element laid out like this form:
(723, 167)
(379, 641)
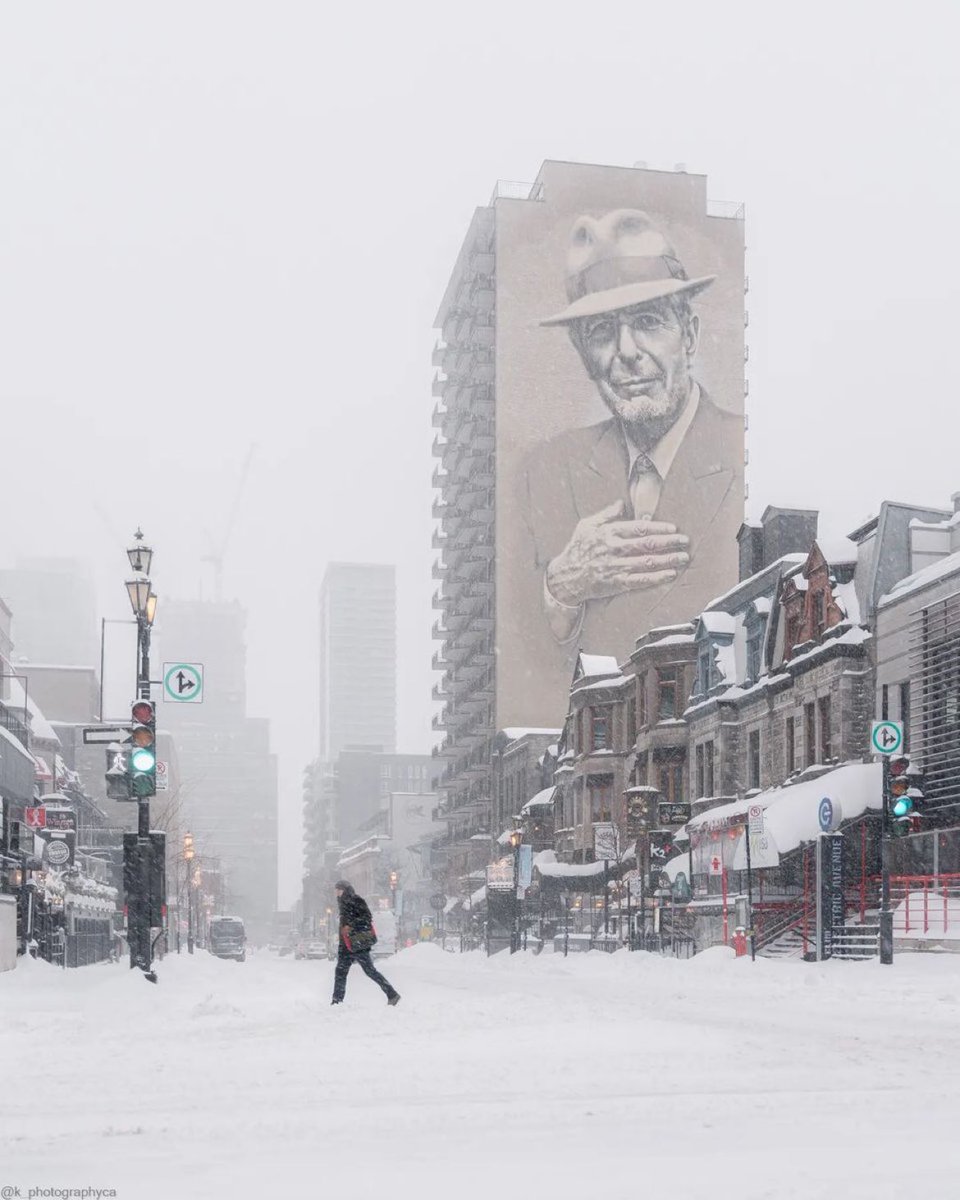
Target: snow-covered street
(510, 1077)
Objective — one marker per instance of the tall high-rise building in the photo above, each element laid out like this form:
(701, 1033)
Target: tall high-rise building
(591, 380)
(54, 606)
(228, 776)
(358, 658)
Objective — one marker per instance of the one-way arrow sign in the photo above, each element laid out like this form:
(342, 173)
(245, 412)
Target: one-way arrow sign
(105, 735)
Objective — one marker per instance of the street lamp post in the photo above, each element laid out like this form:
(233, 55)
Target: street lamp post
(516, 837)
(143, 601)
(188, 881)
(394, 879)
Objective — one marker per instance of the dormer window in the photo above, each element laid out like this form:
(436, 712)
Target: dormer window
(819, 614)
(705, 669)
(753, 657)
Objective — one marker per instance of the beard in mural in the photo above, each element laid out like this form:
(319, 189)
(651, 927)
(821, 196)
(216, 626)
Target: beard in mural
(618, 510)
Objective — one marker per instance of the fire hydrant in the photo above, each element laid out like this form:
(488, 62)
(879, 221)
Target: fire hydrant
(740, 941)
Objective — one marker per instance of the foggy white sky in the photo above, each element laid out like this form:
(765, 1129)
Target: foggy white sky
(228, 223)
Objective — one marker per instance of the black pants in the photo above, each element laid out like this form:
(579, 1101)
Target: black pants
(345, 960)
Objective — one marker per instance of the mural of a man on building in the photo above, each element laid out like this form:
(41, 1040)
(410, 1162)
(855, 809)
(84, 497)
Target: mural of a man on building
(627, 513)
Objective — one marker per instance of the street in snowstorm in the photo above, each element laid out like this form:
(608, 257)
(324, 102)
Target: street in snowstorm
(479, 601)
(515, 1075)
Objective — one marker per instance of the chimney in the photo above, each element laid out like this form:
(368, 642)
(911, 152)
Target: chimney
(787, 531)
(750, 541)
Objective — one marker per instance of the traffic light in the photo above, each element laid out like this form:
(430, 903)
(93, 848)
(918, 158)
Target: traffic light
(142, 762)
(905, 797)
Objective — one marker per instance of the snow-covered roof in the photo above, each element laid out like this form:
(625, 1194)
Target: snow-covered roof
(599, 664)
(845, 595)
(675, 639)
(40, 727)
(598, 684)
(721, 623)
(950, 565)
(791, 813)
(10, 740)
(939, 526)
(787, 562)
(850, 637)
(837, 550)
(556, 870)
(514, 734)
(543, 799)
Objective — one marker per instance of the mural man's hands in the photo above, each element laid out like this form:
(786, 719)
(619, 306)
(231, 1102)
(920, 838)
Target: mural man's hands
(607, 555)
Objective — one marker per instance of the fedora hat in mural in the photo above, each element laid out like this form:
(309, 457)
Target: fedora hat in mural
(617, 261)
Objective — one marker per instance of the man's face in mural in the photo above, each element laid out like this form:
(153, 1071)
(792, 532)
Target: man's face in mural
(640, 359)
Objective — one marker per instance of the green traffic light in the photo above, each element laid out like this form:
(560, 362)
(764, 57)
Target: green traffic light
(143, 760)
(902, 806)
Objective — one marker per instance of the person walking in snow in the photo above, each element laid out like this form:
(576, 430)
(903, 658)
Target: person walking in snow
(357, 938)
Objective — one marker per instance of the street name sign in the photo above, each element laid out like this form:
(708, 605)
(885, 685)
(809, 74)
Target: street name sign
(886, 737)
(183, 682)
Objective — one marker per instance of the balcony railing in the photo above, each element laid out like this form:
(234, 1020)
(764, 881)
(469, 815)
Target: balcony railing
(14, 725)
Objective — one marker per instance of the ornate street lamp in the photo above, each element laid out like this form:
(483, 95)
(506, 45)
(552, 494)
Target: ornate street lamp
(139, 592)
(140, 556)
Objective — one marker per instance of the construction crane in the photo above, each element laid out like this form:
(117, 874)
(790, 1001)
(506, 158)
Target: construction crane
(218, 553)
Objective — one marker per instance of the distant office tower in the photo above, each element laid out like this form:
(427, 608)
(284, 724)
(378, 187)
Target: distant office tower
(228, 774)
(358, 658)
(591, 380)
(54, 607)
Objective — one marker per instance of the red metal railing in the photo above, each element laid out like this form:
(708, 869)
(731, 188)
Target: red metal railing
(926, 905)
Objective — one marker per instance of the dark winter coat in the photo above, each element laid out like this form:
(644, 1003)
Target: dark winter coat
(357, 920)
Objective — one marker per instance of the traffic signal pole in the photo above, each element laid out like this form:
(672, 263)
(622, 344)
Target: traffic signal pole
(141, 774)
(886, 912)
(142, 949)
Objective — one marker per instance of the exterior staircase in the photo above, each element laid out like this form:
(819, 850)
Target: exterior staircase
(789, 944)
